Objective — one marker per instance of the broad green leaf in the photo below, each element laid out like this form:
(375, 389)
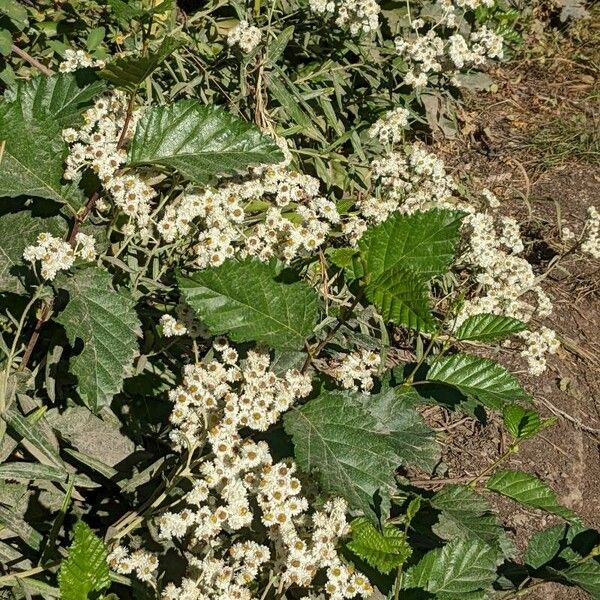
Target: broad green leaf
(199, 141)
(383, 550)
(522, 423)
(461, 567)
(106, 322)
(85, 569)
(33, 152)
(488, 327)
(18, 230)
(129, 72)
(479, 378)
(586, 575)
(244, 300)
(413, 441)
(57, 101)
(465, 514)
(545, 545)
(401, 297)
(530, 491)
(423, 242)
(20, 528)
(336, 437)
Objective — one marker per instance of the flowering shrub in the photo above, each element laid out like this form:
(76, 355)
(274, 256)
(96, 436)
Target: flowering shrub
(216, 227)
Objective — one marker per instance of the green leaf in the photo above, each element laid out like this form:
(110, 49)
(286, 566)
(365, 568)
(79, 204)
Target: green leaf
(276, 48)
(95, 38)
(244, 300)
(37, 441)
(383, 550)
(129, 72)
(488, 327)
(401, 297)
(479, 378)
(459, 568)
(465, 514)
(522, 423)
(33, 152)
(545, 545)
(336, 437)
(586, 575)
(85, 569)
(18, 230)
(107, 324)
(57, 101)
(124, 11)
(5, 42)
(423, 242)
(12, 521)
(530, 491)
(413, 441)
(15, 12)
(199, 141)
(27, 471)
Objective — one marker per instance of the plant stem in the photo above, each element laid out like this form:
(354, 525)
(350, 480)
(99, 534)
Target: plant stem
(34, 336)
(32, 61)
(496, 463)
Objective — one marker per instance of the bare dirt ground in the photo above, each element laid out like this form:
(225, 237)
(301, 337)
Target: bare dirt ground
(536, 144)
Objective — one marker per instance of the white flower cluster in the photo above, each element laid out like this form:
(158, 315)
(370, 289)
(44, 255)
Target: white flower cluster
(389, 129)
(507, 279)
(57, 255)
(356, 370)
(95, 146)
(297, 220)
(172, 327)
(429, 54)
(78, 59)
(539, 344)
(144, 564)
(241, 483)
(359, 16)
(408, 182)
(244, 35)
(591, 242)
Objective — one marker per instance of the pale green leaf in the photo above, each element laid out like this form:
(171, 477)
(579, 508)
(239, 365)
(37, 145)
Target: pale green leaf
(461, 567)
(401, 297)
(244, 300)
(383, 550)
(336, 437)
(530, 491)
(200, 141)
(85, 569)
(545, 545)
(106, 322)
(12, 521)
(479, 378)
(129, 72)
(488, 327)
(423, 242)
